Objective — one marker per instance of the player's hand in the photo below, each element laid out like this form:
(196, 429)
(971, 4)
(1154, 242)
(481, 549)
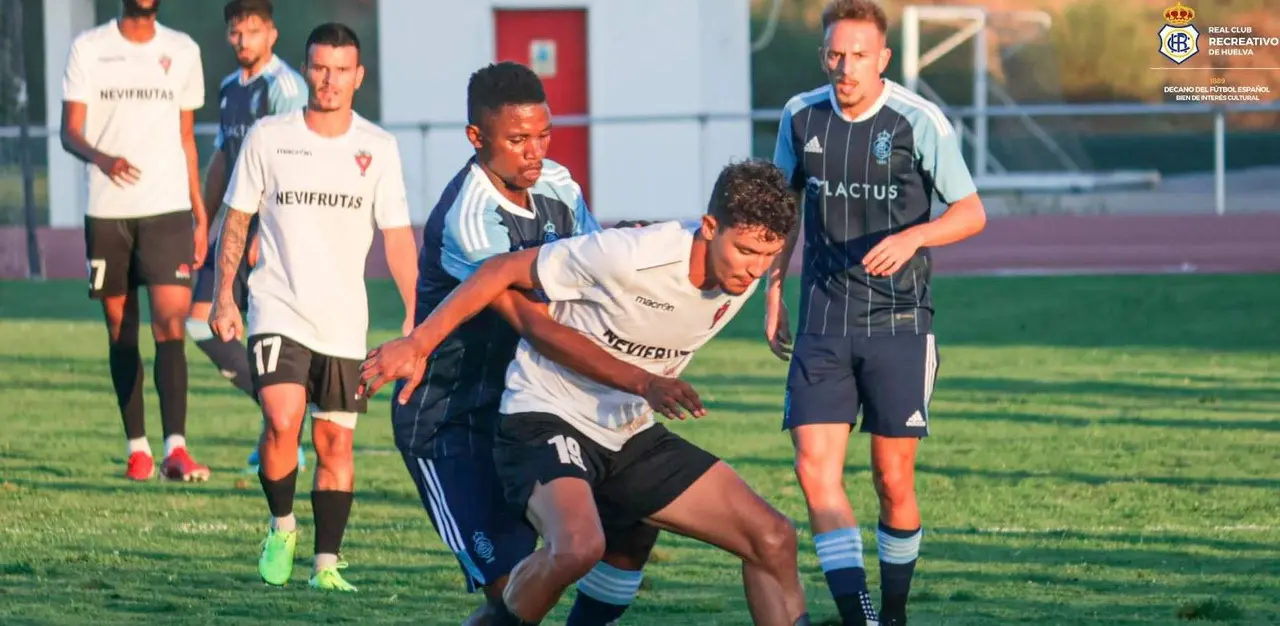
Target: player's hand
(253, 251)
(201, 238)
(119, 170)
(394, 360)
(225, 321)
(777, 323)
(891, 253)
(672, 397)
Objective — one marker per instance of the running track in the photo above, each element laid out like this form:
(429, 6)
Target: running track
(1009, 245)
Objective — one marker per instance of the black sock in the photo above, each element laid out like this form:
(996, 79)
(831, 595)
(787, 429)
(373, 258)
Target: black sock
(899, 550)
(126, 376)
(331, 510)
(170, 373)
(232, 360)
(506, 618)
(279, 492)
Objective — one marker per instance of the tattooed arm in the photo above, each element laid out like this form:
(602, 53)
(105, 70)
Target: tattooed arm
(240, 204)
(227, 322)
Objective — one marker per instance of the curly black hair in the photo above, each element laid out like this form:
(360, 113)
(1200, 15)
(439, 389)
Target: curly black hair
(753, 193)
(499, 84)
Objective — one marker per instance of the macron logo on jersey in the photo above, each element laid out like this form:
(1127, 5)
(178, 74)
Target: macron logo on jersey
(319, 198)
(112, 95)
(640, 350)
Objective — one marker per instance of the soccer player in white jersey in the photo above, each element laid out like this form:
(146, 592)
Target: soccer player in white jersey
(867, 157)
(264, 84)
(130, 93)
(580, 458)
(324, 178)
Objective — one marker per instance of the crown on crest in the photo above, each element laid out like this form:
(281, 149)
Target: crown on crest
(1179, 15)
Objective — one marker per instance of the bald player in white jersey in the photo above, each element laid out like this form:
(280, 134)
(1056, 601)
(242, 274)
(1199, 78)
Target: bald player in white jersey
(325, 179)
(582, 460)
(130, 93)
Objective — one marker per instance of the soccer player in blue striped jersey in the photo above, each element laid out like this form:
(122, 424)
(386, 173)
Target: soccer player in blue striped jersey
(507, 197)
(867, 156)
(263, 85)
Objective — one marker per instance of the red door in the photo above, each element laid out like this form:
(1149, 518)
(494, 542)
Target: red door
(554, 44)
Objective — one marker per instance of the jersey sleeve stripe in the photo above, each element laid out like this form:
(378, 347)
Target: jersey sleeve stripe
(807, 99)
(472, 231)
(924, 106)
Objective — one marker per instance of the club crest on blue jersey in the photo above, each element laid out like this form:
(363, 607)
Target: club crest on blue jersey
(883, 147)
(549, 233)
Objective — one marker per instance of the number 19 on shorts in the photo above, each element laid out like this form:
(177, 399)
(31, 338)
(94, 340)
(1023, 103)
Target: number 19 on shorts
(569, 450)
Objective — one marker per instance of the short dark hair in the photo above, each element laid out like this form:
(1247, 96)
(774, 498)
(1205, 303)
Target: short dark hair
(751, 194)
(333, 34)
(857, 10)
(499, 84)
(237, 10)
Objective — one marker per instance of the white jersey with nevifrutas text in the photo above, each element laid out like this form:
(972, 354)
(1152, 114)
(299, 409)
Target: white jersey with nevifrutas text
(134, 95)
(628, 290)
(320, 199)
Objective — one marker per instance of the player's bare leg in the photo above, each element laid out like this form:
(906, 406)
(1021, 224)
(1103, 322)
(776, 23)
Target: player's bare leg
(820, 457)
(283, 407)
(169, 307)
(722, 510)
(607, 591)
(121, 316)
(232, 360)
(331, 495)
(624, 559)
(564, 513)
(893, 461)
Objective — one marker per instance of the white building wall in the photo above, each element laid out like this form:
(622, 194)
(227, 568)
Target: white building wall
(675, 59)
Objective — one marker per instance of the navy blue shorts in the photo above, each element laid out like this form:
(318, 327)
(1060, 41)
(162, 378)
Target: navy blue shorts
(889, 377)
(464, 498)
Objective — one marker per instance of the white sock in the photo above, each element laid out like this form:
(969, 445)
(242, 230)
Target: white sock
(324, 559)
(285, 524)
(139, 445)
(173, 442)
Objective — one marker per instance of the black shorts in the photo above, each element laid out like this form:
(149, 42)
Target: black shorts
(123, 254)
(330, 381)
(205, 284)
(650, 471)
(890, 377)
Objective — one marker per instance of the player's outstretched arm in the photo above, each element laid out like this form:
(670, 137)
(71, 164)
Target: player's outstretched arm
(571, 349)
(406, 358)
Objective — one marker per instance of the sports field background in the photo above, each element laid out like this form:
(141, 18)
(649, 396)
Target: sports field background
(1104, 451)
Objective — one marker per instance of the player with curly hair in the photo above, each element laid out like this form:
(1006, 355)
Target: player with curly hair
(584, 461)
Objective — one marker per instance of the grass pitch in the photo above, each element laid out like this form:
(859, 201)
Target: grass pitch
(1104, 451)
